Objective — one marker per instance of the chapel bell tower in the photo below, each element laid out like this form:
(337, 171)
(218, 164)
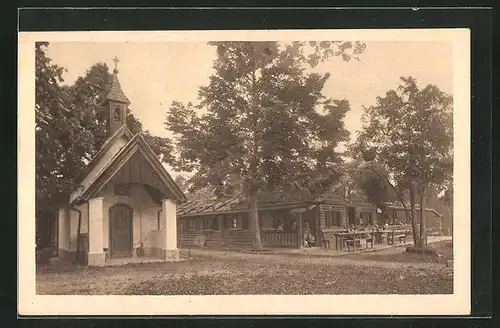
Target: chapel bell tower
(116, 104)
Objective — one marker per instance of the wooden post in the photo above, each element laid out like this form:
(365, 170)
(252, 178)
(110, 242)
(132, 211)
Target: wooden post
(220, 222)
(299, 231)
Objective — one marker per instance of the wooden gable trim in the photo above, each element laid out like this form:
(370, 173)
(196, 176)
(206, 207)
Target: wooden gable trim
(160, 170)
(110, 170)
(123, 131)
(137, 143)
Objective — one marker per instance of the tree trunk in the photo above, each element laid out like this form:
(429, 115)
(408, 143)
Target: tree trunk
(413, 216)
(423, 235)
(253, 185)
(254, 220)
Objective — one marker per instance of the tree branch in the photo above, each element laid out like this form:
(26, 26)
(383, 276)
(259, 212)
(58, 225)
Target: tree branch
(398, 194)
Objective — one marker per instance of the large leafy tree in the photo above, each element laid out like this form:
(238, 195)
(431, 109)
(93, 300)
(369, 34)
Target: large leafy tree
(408, 134)
(60, 139)
(266, 124)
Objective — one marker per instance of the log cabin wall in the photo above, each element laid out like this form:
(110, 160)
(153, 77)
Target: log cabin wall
(194, 232)
(324, 208)
(214, 231)
(328, 231)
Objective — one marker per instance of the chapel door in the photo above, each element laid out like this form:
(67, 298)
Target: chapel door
(120, 224)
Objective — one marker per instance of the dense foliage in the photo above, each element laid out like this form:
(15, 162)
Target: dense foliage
(407, 138)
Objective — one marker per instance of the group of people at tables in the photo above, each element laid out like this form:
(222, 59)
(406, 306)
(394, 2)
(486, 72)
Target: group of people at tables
(375, 229)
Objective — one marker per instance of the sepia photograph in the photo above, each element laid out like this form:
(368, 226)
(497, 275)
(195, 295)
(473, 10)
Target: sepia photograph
(189, 167)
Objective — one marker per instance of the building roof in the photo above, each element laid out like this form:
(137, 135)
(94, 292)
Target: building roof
(115, 92)
(135, 145)
(123, 132)
(206, 202)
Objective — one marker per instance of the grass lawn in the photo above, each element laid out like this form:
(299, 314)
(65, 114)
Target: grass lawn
(238, 273)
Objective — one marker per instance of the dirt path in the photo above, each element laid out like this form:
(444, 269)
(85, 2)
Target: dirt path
(231, 272)
(351, 260)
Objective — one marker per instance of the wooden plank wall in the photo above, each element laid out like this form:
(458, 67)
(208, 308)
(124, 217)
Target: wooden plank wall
(323, 208)
(328, 233)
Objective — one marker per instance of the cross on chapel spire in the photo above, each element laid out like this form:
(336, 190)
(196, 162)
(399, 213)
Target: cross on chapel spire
(116, 60)
(116, 103)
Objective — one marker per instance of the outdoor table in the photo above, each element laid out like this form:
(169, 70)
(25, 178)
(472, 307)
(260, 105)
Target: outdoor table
(341, 236)
(339, 239)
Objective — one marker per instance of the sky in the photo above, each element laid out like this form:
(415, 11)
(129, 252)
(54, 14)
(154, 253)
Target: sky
(152, 75)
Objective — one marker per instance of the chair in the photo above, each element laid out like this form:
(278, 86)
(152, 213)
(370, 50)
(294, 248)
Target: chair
(400, 236)
(326, 242)
(369, 239)
(390, 237)
(351, 241)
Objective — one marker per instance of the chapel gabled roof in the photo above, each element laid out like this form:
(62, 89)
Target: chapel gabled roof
(123, 132)
(135, 145)
(115, 92)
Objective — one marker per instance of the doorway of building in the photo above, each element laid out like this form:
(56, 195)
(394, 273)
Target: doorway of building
(120, 230)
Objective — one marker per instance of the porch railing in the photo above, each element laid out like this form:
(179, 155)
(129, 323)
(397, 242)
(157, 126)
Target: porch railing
(279, 238)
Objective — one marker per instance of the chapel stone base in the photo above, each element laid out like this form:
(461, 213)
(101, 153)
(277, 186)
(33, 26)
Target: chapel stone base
(96, 259)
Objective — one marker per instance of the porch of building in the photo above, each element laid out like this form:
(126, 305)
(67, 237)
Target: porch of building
(280, 226)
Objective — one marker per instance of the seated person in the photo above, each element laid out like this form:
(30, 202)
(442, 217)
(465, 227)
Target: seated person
(309, 239)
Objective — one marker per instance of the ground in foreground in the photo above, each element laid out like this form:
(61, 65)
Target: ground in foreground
(219, 273)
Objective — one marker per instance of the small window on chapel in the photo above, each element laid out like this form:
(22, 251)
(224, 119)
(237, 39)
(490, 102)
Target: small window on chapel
(118, 113)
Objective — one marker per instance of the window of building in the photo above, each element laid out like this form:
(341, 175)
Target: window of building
(365, 218)
(276, 217)
(369, 218)
(333, 219)
(117, 113)
(191, 225)
(209, 222)
(231, 221)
